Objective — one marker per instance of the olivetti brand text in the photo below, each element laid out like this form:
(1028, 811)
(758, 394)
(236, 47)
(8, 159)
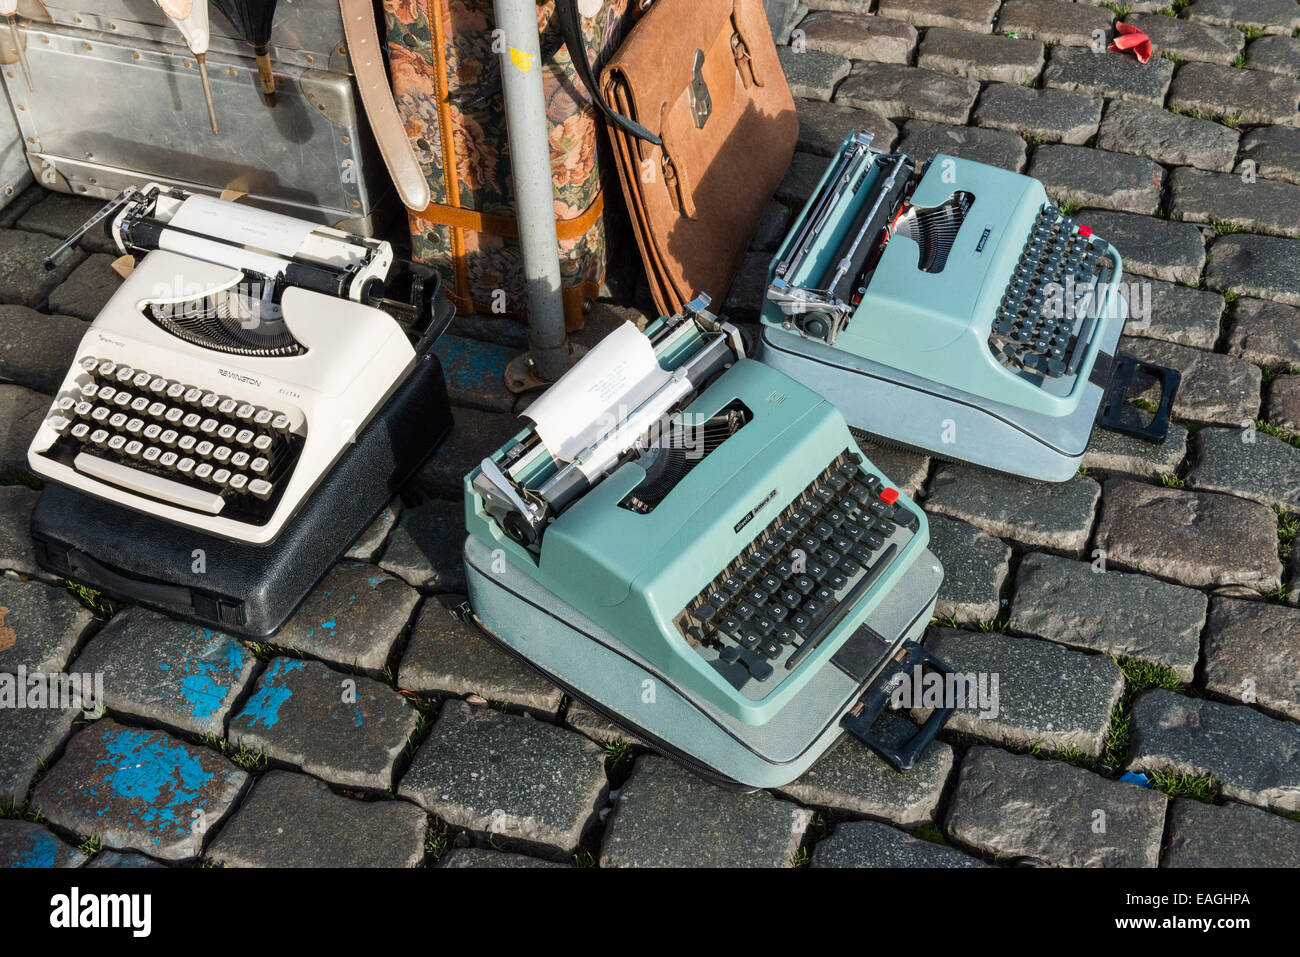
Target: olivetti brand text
(75, 910)
(755, 510)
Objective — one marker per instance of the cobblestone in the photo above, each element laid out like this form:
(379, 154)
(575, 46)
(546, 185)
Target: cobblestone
(353, 618)
(1046, 812)
(1215, 389)
(1252, 757)
(370, 543)
(1270, 16)
(1275, 151)
(859, 37)
(1167, 137)
(16, 552)
(424, 549)
(462, 857)
(1057, 517)
(1264, 206)
(1199, 539)
(1120, 78)
(1053, 22)
(447, 656)
(1280, 54)
(796, 187)
(812, 74)
(1086, 177)
(1181, 314)
(529, 782)
(1253, 97)
(291, 820)
(1267, 267)
(1152, 247)
(861, 844)
(27, 845)
(1113, 453)
(28, 738)
(922, 140)
(904, 92)
(1075, 715)
(1188, 40)
(21, 414)
(348, 729)
(667, 817)
(1284, 402)
(1050, 114)
(36, 349)
(137, 789)
(23, 279)
(1251, 649)
(980, 56)
(853, 779)
(1201, 835)
(1118, 614)
(823, 126)
(40, 626)
(475, 435)
(973, 15)
(975, 565)
(87, 290)
(1250, 464)
(1265, 332)
(167, 672)
(60, 215)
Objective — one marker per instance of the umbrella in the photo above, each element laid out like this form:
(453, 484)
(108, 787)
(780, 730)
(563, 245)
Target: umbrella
(252, 20)
(191, 18)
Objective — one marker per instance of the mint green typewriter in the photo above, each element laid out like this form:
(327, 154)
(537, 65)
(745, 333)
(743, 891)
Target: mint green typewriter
(692, 543)
(953, 309)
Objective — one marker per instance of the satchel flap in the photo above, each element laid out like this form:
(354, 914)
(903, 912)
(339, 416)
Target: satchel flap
(656, 62)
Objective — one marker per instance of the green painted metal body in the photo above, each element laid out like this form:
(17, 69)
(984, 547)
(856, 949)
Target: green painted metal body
(936, 325)
(633, 573)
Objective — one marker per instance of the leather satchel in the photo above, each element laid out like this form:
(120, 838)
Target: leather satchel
(703, 129)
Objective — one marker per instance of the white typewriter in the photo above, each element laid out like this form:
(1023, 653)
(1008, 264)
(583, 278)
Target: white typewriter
(238, 360)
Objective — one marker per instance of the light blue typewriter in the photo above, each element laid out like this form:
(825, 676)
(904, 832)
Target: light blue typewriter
(953, 309)
(715, 567)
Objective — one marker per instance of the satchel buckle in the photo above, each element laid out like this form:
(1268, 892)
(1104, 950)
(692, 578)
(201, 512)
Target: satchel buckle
(701, 102)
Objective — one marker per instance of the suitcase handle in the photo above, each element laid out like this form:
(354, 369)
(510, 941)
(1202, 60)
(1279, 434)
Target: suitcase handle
(176, 596)
(875, 699)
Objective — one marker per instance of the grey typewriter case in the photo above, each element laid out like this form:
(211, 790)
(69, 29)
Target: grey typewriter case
(119, 103)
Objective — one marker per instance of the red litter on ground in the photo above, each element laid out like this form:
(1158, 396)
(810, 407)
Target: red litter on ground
(1131, 38)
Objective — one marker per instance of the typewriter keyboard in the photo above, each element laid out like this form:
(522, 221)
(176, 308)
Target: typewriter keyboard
(799, 578)
(1034, 325)
(180, 444)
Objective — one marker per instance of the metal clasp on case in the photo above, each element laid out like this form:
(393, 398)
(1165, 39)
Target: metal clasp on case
(701, 102)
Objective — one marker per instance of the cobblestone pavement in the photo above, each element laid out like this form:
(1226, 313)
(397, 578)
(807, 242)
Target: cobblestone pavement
(1180, 661)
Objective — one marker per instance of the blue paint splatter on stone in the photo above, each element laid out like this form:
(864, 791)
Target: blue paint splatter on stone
(42, 854)
(266, 702)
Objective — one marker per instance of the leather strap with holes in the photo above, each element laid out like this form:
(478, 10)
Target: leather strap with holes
(377, 99)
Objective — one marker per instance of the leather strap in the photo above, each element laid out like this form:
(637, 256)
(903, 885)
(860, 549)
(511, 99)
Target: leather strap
(571, 27)
(377, 101)
(461, 218)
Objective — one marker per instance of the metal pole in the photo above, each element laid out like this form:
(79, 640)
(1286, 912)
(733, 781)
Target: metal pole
(530, 164)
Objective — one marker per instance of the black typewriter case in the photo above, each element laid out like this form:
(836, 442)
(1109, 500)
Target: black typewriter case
(249, 590)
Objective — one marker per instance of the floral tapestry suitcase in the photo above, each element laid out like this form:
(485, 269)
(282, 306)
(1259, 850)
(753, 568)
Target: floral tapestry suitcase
(447, 84)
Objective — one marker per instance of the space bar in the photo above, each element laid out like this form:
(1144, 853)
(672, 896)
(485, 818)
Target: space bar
(149, 484)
